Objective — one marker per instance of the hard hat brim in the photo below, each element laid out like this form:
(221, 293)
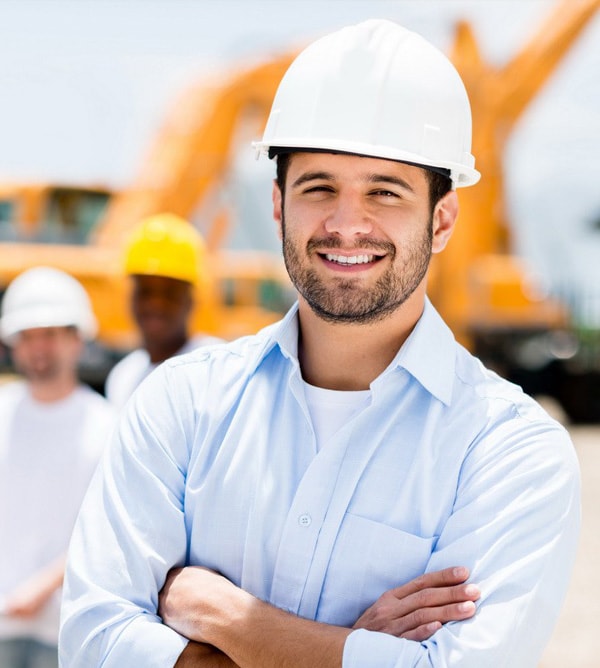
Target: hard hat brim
(460, 174)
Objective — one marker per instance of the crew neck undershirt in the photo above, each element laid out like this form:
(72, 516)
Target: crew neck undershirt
(330, 410)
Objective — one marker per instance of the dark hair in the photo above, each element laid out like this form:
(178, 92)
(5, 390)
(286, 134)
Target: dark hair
(439, 184)
(283, 162)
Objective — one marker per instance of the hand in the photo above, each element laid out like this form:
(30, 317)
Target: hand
(28, 599)
(181, 607)
(418, 609)
(189, 599)
(242, 630)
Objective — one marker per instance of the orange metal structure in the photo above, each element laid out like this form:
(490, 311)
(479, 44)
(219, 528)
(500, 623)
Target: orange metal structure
(479, 283)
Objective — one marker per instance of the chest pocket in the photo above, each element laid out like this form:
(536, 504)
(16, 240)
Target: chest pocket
(368, 559)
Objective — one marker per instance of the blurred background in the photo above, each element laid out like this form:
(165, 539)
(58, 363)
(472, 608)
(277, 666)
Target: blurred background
(112, 110)
(116, 110)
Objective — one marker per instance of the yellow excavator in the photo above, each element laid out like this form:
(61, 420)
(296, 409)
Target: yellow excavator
(483, 290)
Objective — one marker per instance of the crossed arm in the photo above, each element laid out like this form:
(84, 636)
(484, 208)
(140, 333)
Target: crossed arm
(229, 627)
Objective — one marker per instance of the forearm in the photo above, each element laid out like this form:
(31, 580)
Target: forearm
(199, 655)
(205, 607)
(253, 634)
(263, 636)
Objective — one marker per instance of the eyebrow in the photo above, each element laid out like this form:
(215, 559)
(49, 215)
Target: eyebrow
(392, 180)
(312, 176)
(372, 178)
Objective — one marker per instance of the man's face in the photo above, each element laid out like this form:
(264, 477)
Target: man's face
(161, 307)
(47, 353)
(357, 233)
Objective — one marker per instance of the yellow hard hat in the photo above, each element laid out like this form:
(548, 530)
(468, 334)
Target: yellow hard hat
(166, 245)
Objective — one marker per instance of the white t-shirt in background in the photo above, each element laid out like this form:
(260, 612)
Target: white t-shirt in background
(48, 452)
(130, 371)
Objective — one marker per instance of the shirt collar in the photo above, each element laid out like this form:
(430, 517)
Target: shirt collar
(428, 354)
(286, 334)
(282, 334)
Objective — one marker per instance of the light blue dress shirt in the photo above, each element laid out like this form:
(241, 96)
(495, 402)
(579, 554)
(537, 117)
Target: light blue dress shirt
(215, 464)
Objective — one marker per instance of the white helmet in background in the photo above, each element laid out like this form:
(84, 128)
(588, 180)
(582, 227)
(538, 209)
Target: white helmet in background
(375, 89)
(45, 297)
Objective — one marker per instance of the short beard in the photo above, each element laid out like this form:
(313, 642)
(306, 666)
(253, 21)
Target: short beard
(345, 301)
(34, 374)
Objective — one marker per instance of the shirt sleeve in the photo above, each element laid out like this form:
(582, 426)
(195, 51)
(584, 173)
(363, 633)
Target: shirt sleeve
(129, 533)
(515, 524)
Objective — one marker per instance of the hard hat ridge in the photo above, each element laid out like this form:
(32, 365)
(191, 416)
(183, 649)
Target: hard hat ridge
(375, 89)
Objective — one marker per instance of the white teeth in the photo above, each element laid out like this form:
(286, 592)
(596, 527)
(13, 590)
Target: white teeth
(352, 259)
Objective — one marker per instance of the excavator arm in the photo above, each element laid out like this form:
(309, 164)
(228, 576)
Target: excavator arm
(478, 282)
(194, 147)
(525, 75)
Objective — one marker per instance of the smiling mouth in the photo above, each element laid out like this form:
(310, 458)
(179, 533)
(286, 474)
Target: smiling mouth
(345, 260)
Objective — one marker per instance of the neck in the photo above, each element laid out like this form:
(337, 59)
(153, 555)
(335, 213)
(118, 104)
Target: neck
(159, 352)
(345, 356)
(47, 391)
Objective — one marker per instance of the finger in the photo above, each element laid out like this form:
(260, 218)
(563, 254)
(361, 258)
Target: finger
(431, 598)
(390, 609)
(385, 618)
(430, 616)
(444, 578)
(422, 633)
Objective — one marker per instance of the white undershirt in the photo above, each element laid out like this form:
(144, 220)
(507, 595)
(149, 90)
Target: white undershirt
(332, 409)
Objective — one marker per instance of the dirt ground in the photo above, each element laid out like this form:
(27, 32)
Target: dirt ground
(576, 639)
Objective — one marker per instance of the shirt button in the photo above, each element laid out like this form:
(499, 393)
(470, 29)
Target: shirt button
(305, 520)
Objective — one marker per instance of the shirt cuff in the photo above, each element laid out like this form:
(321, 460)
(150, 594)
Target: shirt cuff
(144, 644)
(379, 650)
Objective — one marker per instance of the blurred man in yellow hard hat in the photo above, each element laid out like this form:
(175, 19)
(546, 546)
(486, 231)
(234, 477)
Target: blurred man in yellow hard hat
(165, 259)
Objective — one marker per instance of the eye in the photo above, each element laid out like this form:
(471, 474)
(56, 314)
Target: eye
(318, 189)
(385, 193)
(317, 192)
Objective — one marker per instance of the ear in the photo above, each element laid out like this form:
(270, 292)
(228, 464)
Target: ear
(277, 208)
(444, 219)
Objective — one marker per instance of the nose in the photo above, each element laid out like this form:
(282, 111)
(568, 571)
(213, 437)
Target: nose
(348, 217)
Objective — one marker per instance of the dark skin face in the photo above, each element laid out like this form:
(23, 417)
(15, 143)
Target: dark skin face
(161, 307)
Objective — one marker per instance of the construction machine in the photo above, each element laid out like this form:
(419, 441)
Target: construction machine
(486, 292)
(483, 290)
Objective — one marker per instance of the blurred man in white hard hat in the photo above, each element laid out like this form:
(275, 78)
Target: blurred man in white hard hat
(165, 260)
(349, 487)
(52, 430)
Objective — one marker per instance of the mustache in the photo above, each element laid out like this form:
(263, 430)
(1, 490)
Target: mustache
(330, 242)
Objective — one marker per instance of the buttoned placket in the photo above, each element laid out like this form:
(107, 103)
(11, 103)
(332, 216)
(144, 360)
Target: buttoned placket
(319, 507)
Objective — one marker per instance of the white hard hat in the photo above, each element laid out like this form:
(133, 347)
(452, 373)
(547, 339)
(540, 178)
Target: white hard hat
(375, 89)
(45, 297)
